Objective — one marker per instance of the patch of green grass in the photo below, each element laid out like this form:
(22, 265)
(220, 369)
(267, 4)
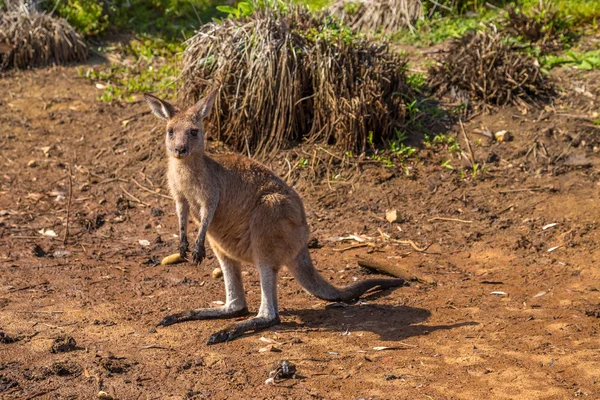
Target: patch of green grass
(155, 69)
(332, 31)
(432, 31)
(579, 12)
(416, 81)
(585, 61)
(314, 5)
(166, 18)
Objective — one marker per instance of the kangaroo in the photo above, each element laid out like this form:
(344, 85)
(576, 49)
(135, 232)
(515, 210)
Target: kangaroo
(248, 214)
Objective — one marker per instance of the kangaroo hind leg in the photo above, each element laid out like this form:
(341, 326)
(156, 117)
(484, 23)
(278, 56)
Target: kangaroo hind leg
(235, 302)
(268, 314)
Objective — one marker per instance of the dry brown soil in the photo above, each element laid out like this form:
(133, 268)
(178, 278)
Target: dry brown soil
(448, 335)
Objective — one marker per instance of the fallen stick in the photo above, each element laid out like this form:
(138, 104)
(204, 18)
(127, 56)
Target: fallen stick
(66, 236)
(388, 269)
(151, 191)
(355, 246)
(133, 197)
(413, 245)
(450, 219)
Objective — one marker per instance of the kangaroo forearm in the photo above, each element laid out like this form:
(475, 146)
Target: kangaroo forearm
(183, 209)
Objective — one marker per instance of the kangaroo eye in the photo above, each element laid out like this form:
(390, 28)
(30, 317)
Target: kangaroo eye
(194, 132)
(170, 132)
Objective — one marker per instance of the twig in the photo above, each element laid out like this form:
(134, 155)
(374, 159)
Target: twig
(112, 180)
(450, 219)
(68, 206)
(523, 190)
(468, 142)
(154, 346)
(413, 245)
(355, 246)
(38, 394)
(151, 191)
(133, 197)
(41, 312)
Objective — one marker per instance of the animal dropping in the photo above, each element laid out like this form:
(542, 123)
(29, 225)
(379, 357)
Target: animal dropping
(217, 273)
(172, 259)
(248, 215)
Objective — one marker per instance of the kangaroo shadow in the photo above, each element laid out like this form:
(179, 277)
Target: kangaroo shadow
(391, 323)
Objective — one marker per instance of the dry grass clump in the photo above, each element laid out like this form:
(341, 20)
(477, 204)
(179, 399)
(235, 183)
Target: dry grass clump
(486, 68)
(31, 38)
(387, 16)
(542, 25)
(291, 76)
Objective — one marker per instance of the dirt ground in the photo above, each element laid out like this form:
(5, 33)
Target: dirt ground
(502, 304)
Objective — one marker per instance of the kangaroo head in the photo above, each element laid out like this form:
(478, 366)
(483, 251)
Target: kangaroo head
(185, 134)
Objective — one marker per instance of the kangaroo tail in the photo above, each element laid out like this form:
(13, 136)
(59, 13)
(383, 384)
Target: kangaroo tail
(311, 280)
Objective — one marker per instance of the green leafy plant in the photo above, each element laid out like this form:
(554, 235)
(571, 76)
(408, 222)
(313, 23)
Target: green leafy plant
(86, 16)
(397, 146)
(446, 164)
(243, 9)
(302, 162)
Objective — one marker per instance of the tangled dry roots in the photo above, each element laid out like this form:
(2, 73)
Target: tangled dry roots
(31, 38)
(387, 16)
(484, 67)
(288, 77)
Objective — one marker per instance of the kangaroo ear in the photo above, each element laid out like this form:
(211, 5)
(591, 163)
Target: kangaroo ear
(202, 108)
(160, 108)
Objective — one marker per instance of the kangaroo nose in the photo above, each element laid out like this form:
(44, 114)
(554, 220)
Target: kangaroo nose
(180, 150)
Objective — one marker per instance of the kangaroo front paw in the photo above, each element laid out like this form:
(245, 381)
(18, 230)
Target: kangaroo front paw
(183, 248)
(198, 254)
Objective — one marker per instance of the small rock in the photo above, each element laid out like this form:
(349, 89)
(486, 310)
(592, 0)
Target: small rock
(313, 243)
(217, 273)
(38, 251)
(156, 212)
(269, 348)
(61, 253)
(186, 365)
(283, 370)
(502, 136)
(32, 164)
(102, 395)
(392, 216)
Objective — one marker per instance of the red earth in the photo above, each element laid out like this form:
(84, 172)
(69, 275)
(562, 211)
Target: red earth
(504, 303)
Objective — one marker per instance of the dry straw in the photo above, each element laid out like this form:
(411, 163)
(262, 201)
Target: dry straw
(29, 38)
(289, 76)
(486, 68)
(375, 16)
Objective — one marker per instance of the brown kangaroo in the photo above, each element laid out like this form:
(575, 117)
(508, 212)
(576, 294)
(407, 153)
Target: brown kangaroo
(249, 215)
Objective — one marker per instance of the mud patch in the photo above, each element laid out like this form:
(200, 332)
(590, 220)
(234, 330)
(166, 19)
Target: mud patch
(64, 368)
(63, 344)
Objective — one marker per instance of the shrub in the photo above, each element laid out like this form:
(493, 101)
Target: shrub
(287, 76)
